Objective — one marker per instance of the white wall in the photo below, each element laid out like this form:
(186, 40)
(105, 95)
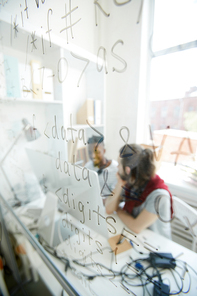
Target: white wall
(123, 107)
(143, 118)
(125, 93)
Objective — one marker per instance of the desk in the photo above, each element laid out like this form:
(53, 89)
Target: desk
(147, 239)
(98, 249)
(178, 186)
(102, 286)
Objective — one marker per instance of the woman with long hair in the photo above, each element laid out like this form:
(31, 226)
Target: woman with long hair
(147, 199)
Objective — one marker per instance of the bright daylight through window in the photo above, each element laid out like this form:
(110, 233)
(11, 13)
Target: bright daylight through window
(173, 82)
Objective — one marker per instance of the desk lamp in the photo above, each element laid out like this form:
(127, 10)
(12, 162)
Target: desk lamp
(28, 130)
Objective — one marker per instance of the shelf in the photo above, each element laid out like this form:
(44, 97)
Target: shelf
(23, 35)
(37, 101)
(83, 126)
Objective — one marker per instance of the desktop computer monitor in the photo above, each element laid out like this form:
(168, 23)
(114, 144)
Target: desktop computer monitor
(44, 168)
(82, 200)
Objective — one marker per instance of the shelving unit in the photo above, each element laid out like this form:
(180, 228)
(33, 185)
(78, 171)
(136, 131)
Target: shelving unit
(74, 69)
(75, 78)
(33, 101)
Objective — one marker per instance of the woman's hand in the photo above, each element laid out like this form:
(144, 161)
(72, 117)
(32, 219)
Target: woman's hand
(112, 202)
(121, 182)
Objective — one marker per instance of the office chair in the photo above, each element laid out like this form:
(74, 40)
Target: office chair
(188, 216)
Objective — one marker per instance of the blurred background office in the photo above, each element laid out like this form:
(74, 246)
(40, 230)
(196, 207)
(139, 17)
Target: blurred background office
(125, 70)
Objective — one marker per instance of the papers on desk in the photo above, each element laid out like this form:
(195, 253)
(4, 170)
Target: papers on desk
(30, 213)
(34, 212)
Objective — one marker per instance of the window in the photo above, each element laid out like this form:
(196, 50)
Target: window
(164, 111)
(173, 79)
(176, 111)
(191, 108)
(153, 112)
(175, 23)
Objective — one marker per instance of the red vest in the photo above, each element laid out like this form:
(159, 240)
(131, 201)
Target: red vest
(154, 183)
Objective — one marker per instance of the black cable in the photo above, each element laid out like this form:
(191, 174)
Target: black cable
(188, 266)
(150, 278)
(158, 273)
(147, 289)
(140, 275)
(180, 288)
(189, 287)
(125, 277)
(53, 252)
(91, 264)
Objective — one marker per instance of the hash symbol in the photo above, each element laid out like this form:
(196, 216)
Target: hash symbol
(71, 24)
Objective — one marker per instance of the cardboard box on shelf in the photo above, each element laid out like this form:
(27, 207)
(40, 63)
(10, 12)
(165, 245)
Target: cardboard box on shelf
(86, 112)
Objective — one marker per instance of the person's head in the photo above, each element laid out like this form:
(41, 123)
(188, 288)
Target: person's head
(96, 151)
(136, 165)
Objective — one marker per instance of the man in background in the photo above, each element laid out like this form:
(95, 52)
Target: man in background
(105, 168)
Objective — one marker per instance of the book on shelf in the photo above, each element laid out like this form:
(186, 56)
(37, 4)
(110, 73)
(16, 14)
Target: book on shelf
(11, 70)
(36, 79)
(91, 111)
(48, 91)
